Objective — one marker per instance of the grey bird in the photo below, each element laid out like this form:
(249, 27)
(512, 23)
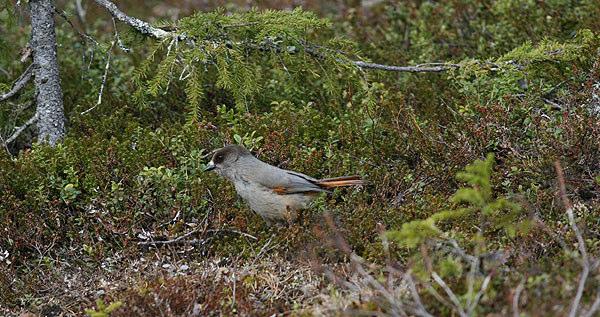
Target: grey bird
(274, 193)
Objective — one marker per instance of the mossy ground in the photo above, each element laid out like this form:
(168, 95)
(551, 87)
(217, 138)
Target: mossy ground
(72, 217)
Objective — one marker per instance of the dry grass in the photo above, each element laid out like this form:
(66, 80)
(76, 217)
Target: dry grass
(158, 285)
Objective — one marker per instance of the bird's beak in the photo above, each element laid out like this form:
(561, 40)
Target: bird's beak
(210, 166)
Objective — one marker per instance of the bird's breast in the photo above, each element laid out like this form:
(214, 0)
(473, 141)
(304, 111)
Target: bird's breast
(269, 204)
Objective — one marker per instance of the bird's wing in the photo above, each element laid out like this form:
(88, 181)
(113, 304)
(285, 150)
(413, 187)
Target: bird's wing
(285, 182)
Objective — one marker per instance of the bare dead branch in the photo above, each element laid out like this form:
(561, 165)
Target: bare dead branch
(396, 306)
(419, 307)
(585, 262)
(141, 26)
(516, 298)
(555, 105)
(81, 13)
(171, 241)
(19, 130)
(116, 40)
(19, 83)
(247, 235)
(422, 68)
(482, 289)
(104, 77)
(84, 36)
(450, 294)
(119, 42)
(595, 306)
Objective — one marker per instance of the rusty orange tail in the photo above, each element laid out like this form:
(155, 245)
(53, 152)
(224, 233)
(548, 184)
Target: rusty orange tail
(328, 183)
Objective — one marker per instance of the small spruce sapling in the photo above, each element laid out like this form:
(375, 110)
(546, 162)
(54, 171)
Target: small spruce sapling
(478, 205)
(102, 310)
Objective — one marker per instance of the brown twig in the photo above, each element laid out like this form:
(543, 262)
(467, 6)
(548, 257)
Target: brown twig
(84, 36)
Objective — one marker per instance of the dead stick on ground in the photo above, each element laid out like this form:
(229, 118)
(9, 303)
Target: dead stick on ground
(181, 239)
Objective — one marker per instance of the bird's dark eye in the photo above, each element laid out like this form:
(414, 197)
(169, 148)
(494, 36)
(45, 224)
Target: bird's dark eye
(219, 158)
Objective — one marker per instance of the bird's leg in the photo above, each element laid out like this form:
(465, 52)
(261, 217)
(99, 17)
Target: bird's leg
(290, 215)
(268, 221)
(301, 219)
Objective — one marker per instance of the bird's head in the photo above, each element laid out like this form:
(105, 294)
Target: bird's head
(224, 159)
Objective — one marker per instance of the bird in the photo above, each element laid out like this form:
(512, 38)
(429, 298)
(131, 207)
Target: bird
(275, 194)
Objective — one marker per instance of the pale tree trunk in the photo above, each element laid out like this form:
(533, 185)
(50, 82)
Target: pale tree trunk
(50, 113)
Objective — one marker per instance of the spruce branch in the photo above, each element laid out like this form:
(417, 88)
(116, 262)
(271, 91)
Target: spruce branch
(146, 29)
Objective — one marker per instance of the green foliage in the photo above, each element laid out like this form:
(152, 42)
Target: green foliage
(102, 310)
(239, 52)
(528, 70)
(415, 232)
(451, 267)
(481, 206)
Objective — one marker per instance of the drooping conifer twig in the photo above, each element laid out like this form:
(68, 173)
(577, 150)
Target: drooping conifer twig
(19, 83)
(146, 29)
